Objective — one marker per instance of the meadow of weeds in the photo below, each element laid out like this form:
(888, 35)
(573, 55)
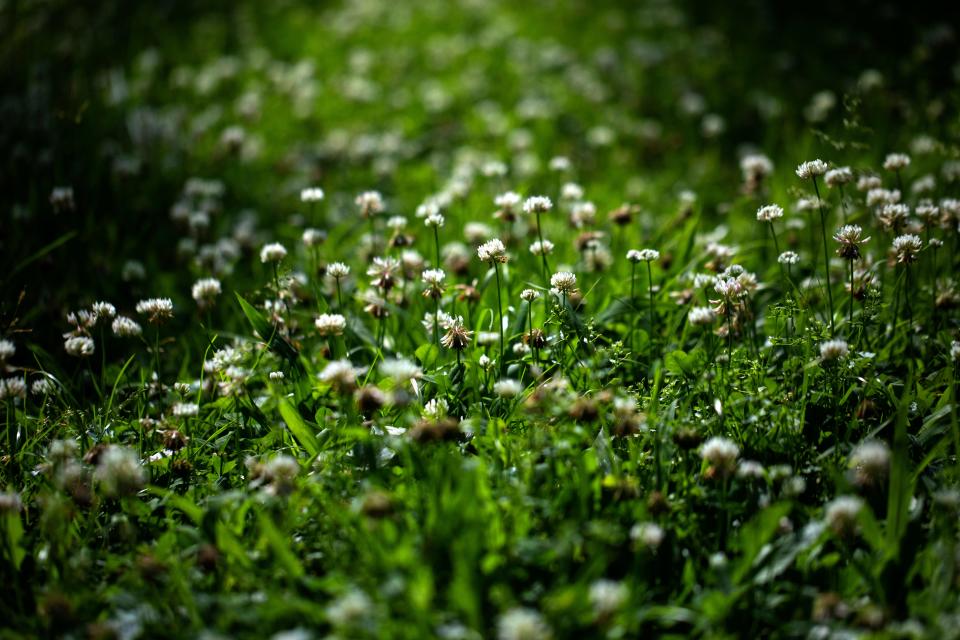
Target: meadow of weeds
(479, 319)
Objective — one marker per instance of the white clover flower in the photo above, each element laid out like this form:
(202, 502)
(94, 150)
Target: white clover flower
(924, 184)
(896, 161)
(79, 346)
(205, 290)
(311, 194)
(529, 295)
(10, 502)
(583, 213)
(485, 362)
(955, 351)
(838, 176)
(508, 201)
(13, 388)
(82, 319)
(124, 327)
(769, 213)
(434, 220)
(487, 338)
(879, 196)
(871, 461)
(841, 514)
(563, 282)
(276, 376)
(157, 309)
(907, 247)
(7, 350)
(507, 388)
(400, 370)
(634, 256)
(649, 534)
(340, 374)
(540, 248)
(43, 387)
(492, 250)
(648, 255)
(103, 309)
(493, 169)
(560, 164)
(699, 316)
(185, 409)
(850, 237)
(749, 469)
(313, 237)
(811, 169)
(928, 212)
(755, 166)
(537, 204)
(119, 471)
(476, 232)
(350, 609)
(728, 288)
(370, 203)
(833, 350)
(281, 472)
(442, 319)
(61, 198)
(868, 183)
(330, 324)
(436, 409)
(397, 223)
(571, 191)
(433, 277)
(338, 270)
(607, 596)
(427, 208)
(721, 453)
(788, 257)
(704, 280)
(522, 624)
(272, 252)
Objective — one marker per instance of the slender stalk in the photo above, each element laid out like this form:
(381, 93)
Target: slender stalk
(543, 254)
(633, 298)
(826, 254)
(776, 247)
(851, 296)
(436, 243)
(156, 349)
(436, 321)
(650, 289)
(496, 269)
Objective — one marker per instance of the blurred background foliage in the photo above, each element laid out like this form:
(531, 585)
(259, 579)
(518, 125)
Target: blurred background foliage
(124, 102)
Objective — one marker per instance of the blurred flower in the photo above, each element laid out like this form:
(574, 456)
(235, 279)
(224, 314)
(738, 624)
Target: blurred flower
(811, 169)
(273, 252)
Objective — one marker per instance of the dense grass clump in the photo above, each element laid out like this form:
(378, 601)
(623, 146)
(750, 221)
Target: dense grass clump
(481, 319)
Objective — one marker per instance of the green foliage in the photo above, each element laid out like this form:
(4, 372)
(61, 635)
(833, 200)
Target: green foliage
(664, 443)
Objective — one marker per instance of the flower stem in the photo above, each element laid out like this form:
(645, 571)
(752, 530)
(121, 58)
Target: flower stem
(496, 269)
(826, 253)
(851, 295)
(650, 289)
(543, 254)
